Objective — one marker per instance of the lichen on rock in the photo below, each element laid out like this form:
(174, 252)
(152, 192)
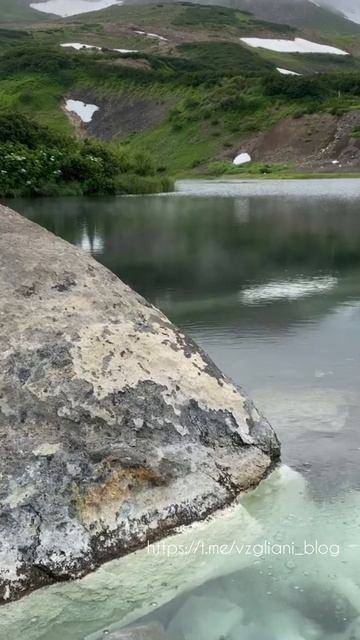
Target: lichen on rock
(115, 428)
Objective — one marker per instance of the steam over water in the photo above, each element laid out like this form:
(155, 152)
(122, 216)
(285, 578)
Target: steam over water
(266, 277)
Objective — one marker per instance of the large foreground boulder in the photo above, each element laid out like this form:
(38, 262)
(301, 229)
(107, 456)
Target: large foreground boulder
(114, 427)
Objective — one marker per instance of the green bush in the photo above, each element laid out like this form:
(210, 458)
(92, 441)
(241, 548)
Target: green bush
(224, 59)
(31, 163)
(319, 87)
(131, 183)
(16, 128)
(209, 16)
(26, 171)
(36, 58)
(143, 165)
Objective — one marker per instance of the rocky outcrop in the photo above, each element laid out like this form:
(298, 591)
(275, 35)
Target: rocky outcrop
(317, 142)
(115, 428)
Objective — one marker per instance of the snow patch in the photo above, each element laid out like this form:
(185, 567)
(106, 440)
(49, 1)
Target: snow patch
(84, 111)
(286, 72)
(241, 158)
(298, 45)
(79, 45)
(151, 35)
(126, 50)
(66, 8)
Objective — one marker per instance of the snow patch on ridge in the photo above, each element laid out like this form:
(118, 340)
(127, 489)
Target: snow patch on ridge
(79, 46)
(298, 45)
(151, 35)
(286, 72)
(126, 50)
(66, 8)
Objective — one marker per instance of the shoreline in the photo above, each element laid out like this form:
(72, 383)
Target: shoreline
(226, 177)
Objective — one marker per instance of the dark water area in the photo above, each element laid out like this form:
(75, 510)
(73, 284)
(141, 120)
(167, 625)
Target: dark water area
(265, 276)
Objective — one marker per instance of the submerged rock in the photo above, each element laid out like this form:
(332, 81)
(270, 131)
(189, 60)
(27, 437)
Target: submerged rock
(115, 428)
(353, 631)
(204, 618)
(152, 631)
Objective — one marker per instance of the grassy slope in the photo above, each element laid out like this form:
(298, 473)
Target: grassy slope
(179, 22)
(226, 104)
(19, 11)
(302, 14)
(183, 22)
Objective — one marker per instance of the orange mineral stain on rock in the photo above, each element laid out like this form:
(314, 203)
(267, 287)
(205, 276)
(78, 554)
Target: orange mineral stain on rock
(102, 499)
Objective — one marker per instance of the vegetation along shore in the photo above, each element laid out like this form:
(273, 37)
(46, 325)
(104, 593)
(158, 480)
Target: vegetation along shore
(127, 99)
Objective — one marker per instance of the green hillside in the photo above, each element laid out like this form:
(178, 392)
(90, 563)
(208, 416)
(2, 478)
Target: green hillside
(301, 14)
(297, 13)
(19, 11)
(183, 104)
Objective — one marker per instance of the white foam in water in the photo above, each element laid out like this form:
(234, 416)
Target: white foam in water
(286, 72)
(242, 158)
(288, 289)
(66, 8)
(298, 45)
(84, 111)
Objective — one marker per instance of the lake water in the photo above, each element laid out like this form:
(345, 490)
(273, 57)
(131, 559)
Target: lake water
(265, 276)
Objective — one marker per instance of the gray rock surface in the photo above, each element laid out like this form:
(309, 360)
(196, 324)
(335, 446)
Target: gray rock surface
(115, 428)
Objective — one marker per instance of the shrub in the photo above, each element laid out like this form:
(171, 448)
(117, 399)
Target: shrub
(32, 164)
(18, 129)
(37, 59)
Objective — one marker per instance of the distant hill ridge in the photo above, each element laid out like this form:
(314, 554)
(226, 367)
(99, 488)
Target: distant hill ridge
(349, 8)
(297, 13)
